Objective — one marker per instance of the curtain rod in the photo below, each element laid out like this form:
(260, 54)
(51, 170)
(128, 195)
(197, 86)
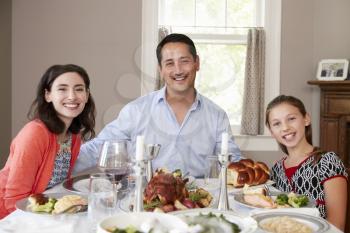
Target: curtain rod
(209, 27)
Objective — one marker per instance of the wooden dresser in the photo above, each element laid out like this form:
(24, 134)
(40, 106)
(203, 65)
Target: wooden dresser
(335, 123)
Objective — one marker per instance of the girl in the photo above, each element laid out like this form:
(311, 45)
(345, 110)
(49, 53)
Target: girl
(306, 169)
(45, 150)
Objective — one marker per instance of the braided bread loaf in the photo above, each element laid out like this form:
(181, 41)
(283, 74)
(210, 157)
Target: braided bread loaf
(246, 171)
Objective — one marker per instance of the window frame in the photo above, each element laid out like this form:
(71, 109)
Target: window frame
(272, 14)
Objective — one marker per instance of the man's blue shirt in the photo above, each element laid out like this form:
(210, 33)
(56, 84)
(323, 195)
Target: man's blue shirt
(184, 146)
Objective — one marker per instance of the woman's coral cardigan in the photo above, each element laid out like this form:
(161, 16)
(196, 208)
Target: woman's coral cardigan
(30, 164)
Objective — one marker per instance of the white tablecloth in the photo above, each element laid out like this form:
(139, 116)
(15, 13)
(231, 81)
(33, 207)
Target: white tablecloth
(24, 222)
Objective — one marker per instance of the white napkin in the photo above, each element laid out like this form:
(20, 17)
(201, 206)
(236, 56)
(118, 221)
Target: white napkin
(19, 222)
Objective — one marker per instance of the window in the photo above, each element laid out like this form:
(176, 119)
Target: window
(219, 29)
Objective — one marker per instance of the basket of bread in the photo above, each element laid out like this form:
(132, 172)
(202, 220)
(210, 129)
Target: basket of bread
(247, 171)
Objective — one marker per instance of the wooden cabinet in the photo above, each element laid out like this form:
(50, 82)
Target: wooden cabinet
(335, 123)
(335, 117)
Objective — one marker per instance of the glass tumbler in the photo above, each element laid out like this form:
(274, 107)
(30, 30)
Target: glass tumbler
(102, 197)
(212, 173)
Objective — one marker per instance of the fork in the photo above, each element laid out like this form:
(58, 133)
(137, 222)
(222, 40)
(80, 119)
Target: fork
(79, 208)
(268, 192)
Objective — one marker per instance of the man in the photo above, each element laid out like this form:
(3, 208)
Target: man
(187, 125)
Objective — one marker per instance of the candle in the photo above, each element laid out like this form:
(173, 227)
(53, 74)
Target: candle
(140, 141)
(224, 143)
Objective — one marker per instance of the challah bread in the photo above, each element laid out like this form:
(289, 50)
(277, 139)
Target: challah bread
(246, 171)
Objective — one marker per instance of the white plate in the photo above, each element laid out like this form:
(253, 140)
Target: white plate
(23, 204)
(246, 224)
(238, 197)
(80, 184)
(123, 220)
(232, 189)
(317, 224)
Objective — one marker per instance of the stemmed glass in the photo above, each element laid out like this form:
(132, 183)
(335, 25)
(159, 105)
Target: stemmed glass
(114, 160)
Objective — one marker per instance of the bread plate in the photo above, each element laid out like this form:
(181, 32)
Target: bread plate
(80, 184)
(24, 203)
(246, 224)
(238, 197)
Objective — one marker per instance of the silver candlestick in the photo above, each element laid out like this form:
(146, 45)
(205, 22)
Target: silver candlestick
(140, 172)
(224, 160)
(152, 151)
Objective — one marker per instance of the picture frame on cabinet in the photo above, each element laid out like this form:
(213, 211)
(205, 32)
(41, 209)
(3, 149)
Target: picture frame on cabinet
(332, 69)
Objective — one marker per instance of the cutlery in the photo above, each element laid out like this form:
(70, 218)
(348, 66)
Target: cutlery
(78, 208)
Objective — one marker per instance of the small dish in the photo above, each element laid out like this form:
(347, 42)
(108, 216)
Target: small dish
(317, 224)
(123, 220)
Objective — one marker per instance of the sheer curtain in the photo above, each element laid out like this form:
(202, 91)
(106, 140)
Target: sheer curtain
(252, 122)
(162, 32)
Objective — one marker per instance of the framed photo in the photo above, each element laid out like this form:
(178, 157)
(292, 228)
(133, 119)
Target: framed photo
(332, 69)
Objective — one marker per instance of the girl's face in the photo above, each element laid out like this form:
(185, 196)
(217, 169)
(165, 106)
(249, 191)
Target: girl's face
(68, 95)
(287, 125)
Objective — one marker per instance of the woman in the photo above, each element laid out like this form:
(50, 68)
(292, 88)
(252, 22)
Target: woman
(45, 150)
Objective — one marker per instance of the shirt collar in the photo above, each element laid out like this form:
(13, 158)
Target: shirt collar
(195, 105)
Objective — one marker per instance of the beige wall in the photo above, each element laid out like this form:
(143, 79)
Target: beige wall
(104, 37)
(5, 79)
(311, 30)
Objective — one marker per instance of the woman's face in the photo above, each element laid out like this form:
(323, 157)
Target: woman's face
(68, 95)
(287, 125)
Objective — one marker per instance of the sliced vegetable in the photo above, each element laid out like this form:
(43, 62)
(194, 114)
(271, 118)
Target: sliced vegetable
(281, 199)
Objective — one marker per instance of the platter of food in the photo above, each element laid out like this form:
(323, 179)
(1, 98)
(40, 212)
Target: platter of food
(217, 221)
(278, 222)
(167, 192)
(142, 222)
(53, 204)
(276, 200)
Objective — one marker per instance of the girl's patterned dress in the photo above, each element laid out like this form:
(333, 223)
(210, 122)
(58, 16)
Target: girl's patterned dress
(308, 178)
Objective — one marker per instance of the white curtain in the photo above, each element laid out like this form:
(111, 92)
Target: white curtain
(252, 122)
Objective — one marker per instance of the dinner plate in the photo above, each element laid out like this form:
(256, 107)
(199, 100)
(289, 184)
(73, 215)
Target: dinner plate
(80, 184)
(23, 204)
(246, 224)
(317, 224)
(122, 220)
(232, 189)
(238, 197)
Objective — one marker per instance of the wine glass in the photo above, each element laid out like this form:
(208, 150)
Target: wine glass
(114, 160)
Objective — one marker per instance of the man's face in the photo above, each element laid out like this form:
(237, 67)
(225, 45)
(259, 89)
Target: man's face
(178, 68)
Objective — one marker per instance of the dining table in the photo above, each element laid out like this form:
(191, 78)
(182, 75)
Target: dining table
(21, 221)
